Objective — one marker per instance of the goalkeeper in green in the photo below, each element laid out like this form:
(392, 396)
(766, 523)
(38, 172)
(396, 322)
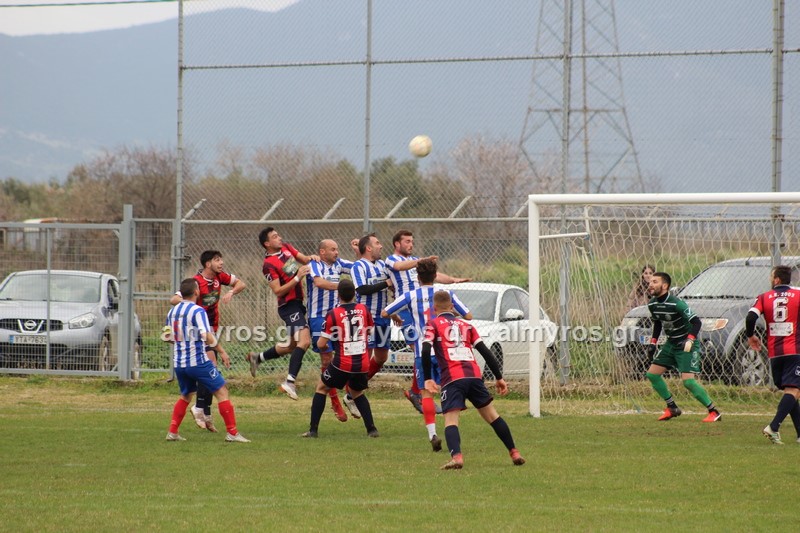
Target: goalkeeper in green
(680, 351)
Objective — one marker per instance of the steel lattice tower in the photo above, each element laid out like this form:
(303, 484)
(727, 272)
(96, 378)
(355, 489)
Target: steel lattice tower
(596, 152)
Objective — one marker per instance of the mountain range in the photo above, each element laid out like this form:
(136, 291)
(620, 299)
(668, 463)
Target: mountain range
(698, 124)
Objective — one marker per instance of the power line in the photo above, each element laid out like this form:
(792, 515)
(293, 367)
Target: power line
(73, 4)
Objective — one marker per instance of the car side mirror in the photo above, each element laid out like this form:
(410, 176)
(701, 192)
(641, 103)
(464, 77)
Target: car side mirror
(513, 314)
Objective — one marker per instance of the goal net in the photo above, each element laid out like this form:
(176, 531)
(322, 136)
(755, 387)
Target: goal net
(587, 254)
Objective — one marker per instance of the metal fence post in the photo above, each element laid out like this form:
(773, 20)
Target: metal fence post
(127, 238)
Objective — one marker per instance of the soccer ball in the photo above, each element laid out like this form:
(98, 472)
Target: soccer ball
(420, 146)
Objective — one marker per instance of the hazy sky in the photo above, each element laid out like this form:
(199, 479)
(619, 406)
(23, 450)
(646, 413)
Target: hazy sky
(77, 19)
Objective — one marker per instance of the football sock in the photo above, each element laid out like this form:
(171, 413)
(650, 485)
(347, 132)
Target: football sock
(317, 408)
(697, 391)
(795, 414)
(501, 428)
(296, 361)
(366, 411)
(374, 367)
(671, 403)
(659, 385)
(226, 411)
(178, 412)
(429, 410)
(785, 406)
(271, 353)
(414, 387)
(453, 439)
(712, 408)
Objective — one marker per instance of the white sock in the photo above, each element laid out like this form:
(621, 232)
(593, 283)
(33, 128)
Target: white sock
(431, 430)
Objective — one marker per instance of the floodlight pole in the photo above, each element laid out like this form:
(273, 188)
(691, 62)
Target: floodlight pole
(777, 124)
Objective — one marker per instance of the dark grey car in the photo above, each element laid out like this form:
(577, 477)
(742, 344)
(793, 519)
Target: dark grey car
(721, 296)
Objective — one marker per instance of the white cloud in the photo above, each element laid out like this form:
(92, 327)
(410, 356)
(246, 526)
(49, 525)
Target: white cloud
(18, 21)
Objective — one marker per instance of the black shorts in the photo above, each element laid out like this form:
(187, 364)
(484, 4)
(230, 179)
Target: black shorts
(456, 393)
(786, 371)
(293, 313)
(337, 378)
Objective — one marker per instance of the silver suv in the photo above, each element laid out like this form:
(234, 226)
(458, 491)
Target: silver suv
(75, 314)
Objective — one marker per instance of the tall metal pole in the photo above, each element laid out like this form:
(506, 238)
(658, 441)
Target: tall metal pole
(177, 227)
(777, 124)
(368, 118)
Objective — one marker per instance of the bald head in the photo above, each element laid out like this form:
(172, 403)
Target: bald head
(328, 251)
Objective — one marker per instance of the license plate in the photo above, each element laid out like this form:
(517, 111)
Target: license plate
(645, 339)
(405, 358)
(28, 339)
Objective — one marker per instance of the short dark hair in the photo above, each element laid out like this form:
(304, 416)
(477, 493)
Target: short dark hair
(665, 277)
(783, 273)
(363, 242)
(426, 270)
(209, 255)
(400, 234)
(347, 291)
(263, 235)
(188, 286)
(442, 299)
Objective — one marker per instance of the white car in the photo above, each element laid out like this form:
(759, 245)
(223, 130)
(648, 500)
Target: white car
(500, 313)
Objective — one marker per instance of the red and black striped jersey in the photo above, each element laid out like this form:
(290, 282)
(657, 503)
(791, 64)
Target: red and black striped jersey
(349, 327)
(781, 310)
(283, 266)
(452, 340)
(209, 294)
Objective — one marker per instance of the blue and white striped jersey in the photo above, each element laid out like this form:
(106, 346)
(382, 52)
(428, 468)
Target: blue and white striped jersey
(188, 322)
(420, 304)
(403, 281)
(366, 272)
(320, 301)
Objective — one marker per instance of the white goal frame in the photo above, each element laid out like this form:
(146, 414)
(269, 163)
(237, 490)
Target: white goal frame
(536, 342)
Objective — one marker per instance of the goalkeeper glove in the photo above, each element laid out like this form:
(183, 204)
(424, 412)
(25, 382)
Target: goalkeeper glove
(687, 346)
(652, 348)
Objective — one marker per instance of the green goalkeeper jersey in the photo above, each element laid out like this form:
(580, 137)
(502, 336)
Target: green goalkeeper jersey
(675, 317)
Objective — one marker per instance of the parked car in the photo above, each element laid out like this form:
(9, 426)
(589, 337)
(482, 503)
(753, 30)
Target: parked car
(500, 313)
(721, 296)
(77, 316)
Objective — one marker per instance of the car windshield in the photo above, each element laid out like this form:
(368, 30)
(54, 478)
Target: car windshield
(481, 303)
(63, 288)
(728, 281)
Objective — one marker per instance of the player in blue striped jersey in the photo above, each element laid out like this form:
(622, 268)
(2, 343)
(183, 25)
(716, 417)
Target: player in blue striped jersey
(188, 329)
(401, 267)
(419, 305)
(322, 282)
(372, 287)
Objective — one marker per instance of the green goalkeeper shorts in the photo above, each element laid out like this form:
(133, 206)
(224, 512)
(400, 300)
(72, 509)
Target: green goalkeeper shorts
(672, 356)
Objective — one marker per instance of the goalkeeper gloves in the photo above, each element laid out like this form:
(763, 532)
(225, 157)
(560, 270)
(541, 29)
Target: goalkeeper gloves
(651, 348)
(687, 346)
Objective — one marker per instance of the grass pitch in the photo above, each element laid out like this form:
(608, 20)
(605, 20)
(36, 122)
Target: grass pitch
(80, 455)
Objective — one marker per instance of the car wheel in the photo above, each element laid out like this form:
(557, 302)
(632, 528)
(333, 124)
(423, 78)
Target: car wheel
(497, 351)
(751, 366)
(104, 354)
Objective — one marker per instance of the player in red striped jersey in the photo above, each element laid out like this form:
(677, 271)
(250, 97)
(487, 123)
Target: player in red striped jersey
(211, 278)
(348, 325)
(285, 268)
(780, 308)
(452, 340)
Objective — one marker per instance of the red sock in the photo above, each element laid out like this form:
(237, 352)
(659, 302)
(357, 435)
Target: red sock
(414, 387)
(178, 412)
(429, 410)
(226, 411)
(374, 367)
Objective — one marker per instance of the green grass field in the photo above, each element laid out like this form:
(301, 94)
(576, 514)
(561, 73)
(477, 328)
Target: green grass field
(90, 455)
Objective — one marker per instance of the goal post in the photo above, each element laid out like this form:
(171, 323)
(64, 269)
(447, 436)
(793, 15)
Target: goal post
(582, 251)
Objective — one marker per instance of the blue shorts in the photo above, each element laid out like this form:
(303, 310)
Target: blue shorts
(409, 333)
(456, 393)
(316, 325)
(785, 371)
(205, 374)
(420, 378)
(382, 334)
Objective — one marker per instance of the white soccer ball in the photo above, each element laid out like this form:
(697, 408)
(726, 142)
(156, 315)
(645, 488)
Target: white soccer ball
(420, 146)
